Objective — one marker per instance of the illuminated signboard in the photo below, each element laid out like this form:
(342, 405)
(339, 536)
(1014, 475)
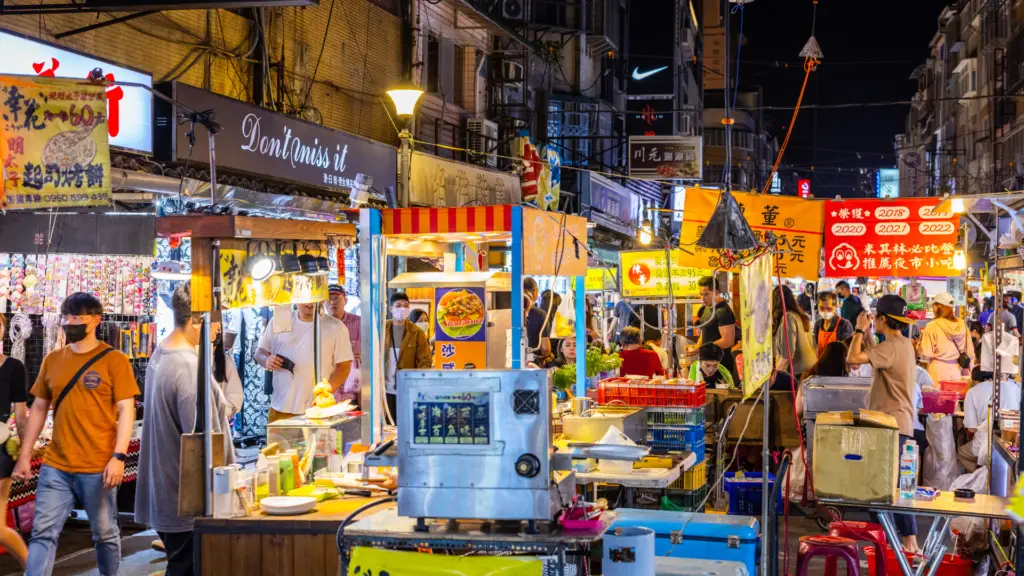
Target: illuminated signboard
(129, 110)
(887, 183)
(803, 188)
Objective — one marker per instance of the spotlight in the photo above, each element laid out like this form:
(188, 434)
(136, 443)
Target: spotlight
(260, 265)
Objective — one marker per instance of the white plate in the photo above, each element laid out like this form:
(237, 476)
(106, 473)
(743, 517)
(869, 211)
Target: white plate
(287, 505)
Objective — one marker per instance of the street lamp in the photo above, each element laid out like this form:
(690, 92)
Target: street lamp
(646, 232)
(404, 97)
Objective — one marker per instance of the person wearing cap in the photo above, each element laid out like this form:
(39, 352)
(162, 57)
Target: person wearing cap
(354, 323)
(892, 379)
(946, 342)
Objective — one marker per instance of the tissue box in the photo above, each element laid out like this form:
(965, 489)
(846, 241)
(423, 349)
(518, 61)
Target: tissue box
(856, 460)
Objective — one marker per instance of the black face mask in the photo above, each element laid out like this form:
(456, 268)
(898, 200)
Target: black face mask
(76, 332)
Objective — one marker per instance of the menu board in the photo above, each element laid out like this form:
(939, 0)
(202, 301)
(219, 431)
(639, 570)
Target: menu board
(452, 418)
(645, 275)
(459, 335)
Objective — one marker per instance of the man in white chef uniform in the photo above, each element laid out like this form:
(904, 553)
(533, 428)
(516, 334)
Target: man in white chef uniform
(976, 403)
(290, 337)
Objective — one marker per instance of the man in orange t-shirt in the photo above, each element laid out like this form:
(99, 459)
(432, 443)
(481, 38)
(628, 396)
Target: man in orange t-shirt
(93, 415)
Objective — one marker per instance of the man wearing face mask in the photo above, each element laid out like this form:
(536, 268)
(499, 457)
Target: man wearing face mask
(830, 327)
(293, 382)
(91, 388)
(406, 347)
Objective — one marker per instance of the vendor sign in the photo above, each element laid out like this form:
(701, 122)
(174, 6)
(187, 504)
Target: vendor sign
(53, 142)
(459, 331)
(599, 279)
(902, 237)
(239, 290)
(756, 320)
(794, 219)
(378, 562)
(645, 275)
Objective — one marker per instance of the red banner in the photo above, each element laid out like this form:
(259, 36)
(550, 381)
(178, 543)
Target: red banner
(881, 238)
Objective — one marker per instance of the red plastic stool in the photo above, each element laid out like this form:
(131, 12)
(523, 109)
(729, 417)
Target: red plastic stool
(830, 547)
(861, 532)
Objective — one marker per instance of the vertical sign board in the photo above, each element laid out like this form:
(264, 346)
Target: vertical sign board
(803, 188)
(887, 183)
(756, 320)
(885, 238)
(459, 335)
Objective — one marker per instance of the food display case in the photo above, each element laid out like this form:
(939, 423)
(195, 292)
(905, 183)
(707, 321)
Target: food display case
(323, 441)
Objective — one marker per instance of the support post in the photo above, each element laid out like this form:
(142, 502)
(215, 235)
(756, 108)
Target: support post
(370, 292)
(581, 336)
(516, 254)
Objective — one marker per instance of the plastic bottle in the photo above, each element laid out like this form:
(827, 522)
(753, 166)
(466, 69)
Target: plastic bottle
(908, 472)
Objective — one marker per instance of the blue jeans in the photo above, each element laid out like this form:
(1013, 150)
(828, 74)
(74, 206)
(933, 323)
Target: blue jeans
(55, 498)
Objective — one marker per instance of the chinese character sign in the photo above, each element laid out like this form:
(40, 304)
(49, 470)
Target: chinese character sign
(53, 143)
(796, 223)
(665, 157)
(879, 238)
(645, 275)
(459, 329)
(756, 319)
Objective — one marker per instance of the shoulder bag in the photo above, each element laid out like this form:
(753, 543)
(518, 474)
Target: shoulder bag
(75, 378)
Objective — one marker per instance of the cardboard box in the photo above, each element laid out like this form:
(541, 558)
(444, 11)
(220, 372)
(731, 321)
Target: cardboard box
(856, 460)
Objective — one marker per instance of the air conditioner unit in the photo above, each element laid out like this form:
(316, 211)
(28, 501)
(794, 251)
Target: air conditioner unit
(514, 10)
(512, 72)
(482, 138)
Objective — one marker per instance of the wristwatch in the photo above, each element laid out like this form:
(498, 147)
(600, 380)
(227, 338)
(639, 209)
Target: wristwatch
(858, 331)
(120, 456)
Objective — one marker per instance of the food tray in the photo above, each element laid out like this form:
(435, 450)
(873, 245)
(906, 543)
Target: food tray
(644, 392)
(939, 401)
(675, 416)
(958, 386)
(693, 479)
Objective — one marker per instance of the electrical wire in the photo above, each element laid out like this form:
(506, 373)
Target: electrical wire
(809, 66)
(323, 44)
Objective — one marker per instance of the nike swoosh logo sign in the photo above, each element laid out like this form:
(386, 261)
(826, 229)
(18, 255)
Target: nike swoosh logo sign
(638, 75)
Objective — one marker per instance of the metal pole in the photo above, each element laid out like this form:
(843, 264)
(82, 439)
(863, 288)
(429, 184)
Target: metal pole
(728, 120)
(404, 160)
(581, 336)
(317, 372)
(213, 169)
(765, 471)
(207, 366)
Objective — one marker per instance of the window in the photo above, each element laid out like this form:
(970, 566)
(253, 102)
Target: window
(433, 64)
(974, 80)
(463, 79)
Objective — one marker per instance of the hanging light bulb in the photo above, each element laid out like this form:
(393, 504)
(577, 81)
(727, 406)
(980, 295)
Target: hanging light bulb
(260, 265)
(959, 257)
(646, 232)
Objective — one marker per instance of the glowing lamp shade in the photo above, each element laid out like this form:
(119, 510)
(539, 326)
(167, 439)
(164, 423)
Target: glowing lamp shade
(957, 205)
(959, 258)
(646, 232)
(405, 99)
(261, 266)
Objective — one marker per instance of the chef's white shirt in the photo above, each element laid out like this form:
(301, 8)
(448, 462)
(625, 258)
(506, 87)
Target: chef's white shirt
(976, 411)
(294, 393)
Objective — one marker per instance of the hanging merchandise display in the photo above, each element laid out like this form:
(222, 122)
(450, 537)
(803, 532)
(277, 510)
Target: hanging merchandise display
(902, 237)
(796, 222)
(54, 143)
(756, 320)
(40, 282)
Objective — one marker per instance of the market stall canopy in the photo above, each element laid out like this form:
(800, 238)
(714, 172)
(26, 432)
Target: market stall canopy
(1008, 201)
(492, 281)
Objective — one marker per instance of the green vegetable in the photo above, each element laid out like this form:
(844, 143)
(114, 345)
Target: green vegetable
(564, 378)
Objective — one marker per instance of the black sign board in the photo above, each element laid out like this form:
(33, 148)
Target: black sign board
(264, 143)
(650, 115)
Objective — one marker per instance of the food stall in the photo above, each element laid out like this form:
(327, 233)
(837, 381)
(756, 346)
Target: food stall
(230, 257)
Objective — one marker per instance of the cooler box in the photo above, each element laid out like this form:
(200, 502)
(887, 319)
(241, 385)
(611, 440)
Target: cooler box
(689, 567)
(857, 463)
(706, 537)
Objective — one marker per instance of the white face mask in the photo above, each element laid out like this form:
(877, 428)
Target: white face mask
(827, 315)
(423, 326)
(400, 314)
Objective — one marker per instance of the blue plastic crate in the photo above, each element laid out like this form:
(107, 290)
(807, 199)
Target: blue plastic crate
(745, 493)
(674, 446)
(678, 434)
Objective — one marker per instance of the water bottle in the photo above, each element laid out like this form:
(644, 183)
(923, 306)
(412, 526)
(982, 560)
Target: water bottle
(908, 472)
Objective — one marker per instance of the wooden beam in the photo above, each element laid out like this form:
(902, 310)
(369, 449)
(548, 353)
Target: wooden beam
(250, 227)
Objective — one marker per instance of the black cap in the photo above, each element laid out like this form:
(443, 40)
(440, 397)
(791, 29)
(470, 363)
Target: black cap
(335, 289)
(894, 307)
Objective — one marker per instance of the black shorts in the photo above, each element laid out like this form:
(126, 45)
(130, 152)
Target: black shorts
(6, 463)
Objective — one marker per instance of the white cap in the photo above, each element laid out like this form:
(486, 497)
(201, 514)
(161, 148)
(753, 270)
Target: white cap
(944, 298)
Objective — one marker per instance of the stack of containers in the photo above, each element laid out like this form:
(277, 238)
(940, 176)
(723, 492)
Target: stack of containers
(681, 429)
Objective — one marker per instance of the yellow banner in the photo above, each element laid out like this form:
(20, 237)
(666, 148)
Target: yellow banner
(599, 279)
(799, 220)
(374, 561)
(239, 290)
(53, 143)
(645, 275)
(756, 319)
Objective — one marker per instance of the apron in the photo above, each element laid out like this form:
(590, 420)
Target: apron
(826, 337)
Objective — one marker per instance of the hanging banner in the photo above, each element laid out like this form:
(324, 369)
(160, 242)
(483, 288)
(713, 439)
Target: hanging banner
(645, 275)
(794, 219)
(239, 290)
(548, 250)
(542, 174)
(459, 335)
(756, 319)
(378, 562)
(53, 143)
(880, 238)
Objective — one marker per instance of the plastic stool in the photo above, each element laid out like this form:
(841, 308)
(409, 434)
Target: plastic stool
(858, 532)
(830, 547)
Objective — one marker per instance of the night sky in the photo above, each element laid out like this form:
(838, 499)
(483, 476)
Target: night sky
(870, 49)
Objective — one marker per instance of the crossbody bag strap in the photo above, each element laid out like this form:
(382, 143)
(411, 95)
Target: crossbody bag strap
(74, 379)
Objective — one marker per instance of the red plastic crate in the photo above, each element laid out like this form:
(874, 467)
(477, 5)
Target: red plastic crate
(958, 386)
(644, 392)
(939, 401)
(951, 565)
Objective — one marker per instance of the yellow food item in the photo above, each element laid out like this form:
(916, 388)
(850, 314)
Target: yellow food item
(323, 395)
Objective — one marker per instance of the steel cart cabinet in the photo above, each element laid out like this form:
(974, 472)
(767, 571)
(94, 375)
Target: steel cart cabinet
(705, 537)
